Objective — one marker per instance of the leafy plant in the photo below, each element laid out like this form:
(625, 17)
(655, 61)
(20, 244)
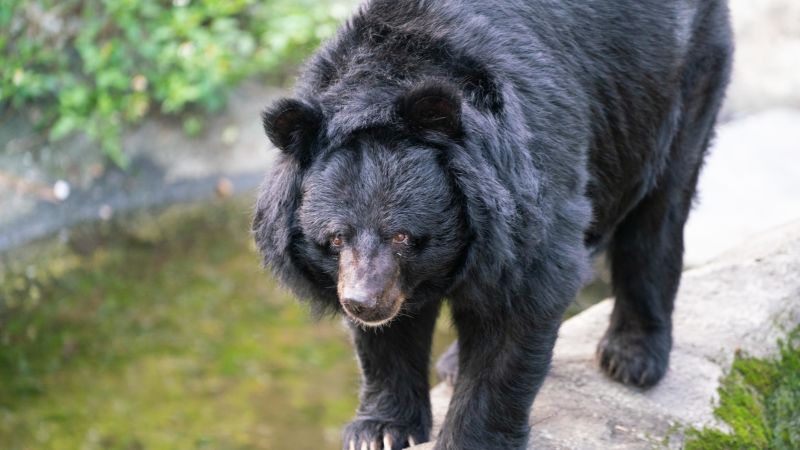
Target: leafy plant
(760, 401)
(98, 65)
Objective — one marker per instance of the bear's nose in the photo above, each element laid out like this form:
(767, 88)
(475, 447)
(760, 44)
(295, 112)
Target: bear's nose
(358, 301)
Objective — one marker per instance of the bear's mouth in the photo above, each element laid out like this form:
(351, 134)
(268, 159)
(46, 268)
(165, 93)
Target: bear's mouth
(376, 316)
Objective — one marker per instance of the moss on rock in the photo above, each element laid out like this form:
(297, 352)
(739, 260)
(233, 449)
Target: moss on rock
(760, 401)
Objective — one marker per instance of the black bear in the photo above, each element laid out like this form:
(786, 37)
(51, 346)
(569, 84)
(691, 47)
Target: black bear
(481, 151)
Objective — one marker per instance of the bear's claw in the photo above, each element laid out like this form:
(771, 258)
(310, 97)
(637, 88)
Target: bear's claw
(378, 435)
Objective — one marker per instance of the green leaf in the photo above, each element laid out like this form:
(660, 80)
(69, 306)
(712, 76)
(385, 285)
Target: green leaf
(64, 126)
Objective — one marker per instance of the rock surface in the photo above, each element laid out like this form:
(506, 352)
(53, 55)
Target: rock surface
(744, 300)
(750, 183)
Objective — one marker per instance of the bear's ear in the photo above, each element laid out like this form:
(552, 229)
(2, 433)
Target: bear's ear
(293, 125)
(432, 107)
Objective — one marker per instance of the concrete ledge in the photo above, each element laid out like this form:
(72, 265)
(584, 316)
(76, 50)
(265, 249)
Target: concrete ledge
(744, 300)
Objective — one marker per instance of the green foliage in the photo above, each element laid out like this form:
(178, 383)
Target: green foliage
(97, 65)
(760, 402)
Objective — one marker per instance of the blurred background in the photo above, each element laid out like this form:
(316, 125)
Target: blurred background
(133, 311)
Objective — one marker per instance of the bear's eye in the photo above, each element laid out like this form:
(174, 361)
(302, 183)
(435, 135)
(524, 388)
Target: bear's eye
(400, 239)
(337, 240)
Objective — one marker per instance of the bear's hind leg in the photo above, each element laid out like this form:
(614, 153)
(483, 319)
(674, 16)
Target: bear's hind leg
(646, 255)
(447, 365)
(646, 260)
(646, 250)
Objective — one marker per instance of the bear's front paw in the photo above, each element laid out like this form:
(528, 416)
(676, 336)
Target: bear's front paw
(635, 357)
(367, 434)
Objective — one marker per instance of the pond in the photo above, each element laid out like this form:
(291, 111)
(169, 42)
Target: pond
(159, 330)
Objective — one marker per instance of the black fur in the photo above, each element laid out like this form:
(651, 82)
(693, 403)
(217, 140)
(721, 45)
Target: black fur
(510, 139)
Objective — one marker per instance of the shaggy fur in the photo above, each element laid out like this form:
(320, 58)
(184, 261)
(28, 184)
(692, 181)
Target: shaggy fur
(510, 139)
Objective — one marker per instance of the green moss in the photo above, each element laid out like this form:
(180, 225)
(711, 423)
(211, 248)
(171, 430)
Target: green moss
(760, 401)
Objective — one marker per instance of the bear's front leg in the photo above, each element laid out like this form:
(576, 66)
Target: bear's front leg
(395, 409)
(502, 364)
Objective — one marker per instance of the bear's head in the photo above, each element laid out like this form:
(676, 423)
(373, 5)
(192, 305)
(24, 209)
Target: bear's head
(376, 222)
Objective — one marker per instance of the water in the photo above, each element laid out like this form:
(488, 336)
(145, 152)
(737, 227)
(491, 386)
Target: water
(160, 331)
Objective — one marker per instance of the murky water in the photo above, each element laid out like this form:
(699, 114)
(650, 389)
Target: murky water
(160, 331)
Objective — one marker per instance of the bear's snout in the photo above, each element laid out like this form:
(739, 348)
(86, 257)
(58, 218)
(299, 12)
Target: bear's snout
(357, 300)
(368, 286)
